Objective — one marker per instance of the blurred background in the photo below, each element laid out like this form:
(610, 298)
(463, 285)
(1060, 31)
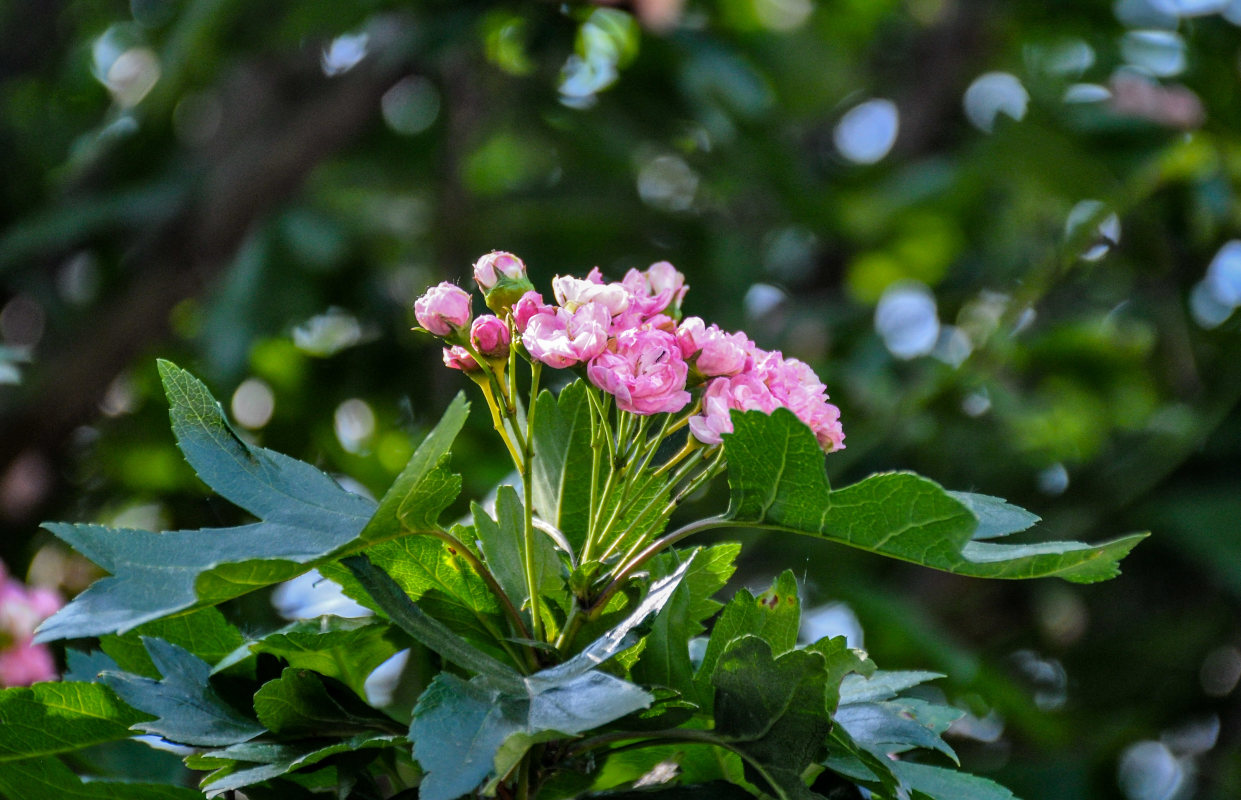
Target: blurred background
(1003, 233)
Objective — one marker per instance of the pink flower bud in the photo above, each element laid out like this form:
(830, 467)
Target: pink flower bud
(491, 268)
(490, 337)
(457, 357)
(443, 309)
(658, 289)
(644, 371)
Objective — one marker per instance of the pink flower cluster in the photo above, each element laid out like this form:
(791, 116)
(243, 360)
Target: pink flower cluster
(21, 610)
(627, 335)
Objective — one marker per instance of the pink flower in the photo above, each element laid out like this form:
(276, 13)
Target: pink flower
(572, 292)
(531, 303)
(561, 338)
(661, 286)
(717, 353)
(22, 609)
(497, 264)
(644, 371)
(457, 357)
(25, 663)
(443, 309)
(743, 392)
(799, 389)
(490, 336)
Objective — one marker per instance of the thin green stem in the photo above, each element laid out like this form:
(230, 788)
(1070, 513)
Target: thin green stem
(498, 423)
(536, 620)
(651, 550)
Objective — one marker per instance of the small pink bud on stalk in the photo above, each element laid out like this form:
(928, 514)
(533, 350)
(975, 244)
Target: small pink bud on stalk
(457, 357)
(502, 278)
(490, 337)
(444, 310)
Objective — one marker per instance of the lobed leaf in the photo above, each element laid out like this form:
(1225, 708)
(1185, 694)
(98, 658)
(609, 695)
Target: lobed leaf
(777, 481)
(306, 519)
(562, 458)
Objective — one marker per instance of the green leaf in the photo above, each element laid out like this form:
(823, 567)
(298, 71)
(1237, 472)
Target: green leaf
(771, 710)
(947, 784)
(562, 458)
(345, 649)
(442, 581)
(307, 518)
(996, 517)
(665, 658)
(776, 475)
(461, 727)
(404, 613)
(273, 759)
(775, 615)
(298, 703)
(203, 632)
(887, 728)
(49, 718)
(503, 544)
(426, 486)
(186, 708)
(882, 685)
(45, 778)
(841, 660)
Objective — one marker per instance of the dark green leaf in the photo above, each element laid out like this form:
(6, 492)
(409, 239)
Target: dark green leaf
(298, 703)
(271, 760)
(886, 728)
(186, 708)
(712, 568)
(503, 544)
(203, 632)
(306, 519)
(345, 649)
(772, 711)
(48, 778)
(841, 660)
(777, 480)
(460, 727)
(562, 458)
(665, 658)
(774, 615)
(58, 717)
(404, 613)
(947, 784)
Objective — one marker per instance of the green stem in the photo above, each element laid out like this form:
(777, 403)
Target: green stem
(536, 621)
(651, 550)
(695, 455)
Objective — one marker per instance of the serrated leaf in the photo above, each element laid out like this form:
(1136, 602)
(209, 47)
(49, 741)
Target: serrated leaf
(442, 582)
(186, 709)
(502, 541)
(777, 480)
(771, 710)
(665, 658)
(273, 760)
(345, 649)
(404, 613)
(43, 778)
(840, 661)
(203, 632)
(307, 518)
(713, 566)
(562, 457)
(426, 486)
(775, 615)
(49, 718)
(461, 727)
(299, 703)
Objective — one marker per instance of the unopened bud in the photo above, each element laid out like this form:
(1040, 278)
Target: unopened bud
(443, 309)
(490, 337)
